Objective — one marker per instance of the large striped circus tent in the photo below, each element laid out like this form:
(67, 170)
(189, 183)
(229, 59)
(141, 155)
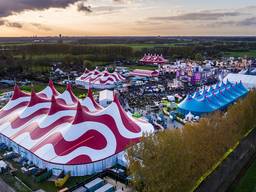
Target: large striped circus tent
(153, 59)
(217, 97)
(99, 80)
(60, 132)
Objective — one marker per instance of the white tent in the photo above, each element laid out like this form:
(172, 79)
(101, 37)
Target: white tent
(3, 164)
(171, 98)
(249, 81)
(189, 117)
(106, 97)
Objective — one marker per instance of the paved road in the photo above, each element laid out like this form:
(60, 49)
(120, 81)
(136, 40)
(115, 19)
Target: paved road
(4, 187)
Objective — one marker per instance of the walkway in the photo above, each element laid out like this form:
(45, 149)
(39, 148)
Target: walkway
(4, 187)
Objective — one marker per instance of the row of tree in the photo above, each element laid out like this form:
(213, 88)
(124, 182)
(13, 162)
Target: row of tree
(208, 49)
(174, 160)
(25, 66)
(111, 52)
(29, 59)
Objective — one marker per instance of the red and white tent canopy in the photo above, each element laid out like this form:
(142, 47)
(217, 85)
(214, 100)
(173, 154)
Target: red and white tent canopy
(60, 131)
(144, 73)
(99, 80)
(153, 59)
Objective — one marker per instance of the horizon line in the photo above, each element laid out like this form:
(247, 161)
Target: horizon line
(89, 36)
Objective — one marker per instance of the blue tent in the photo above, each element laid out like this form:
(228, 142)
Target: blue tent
(227, 95)
(213, 103)
(196, 95)
(217, 97)
(228, 82)
(196, 107)
(204, 92)
(239, 90)
(222, 100)
(210, 89)
(216, 101)
(233, 92)
(242, 87)
(222, 87)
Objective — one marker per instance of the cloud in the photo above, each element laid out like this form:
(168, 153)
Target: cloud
(41, 27)
(104, 9)
(2, 22)
(108, 8)
(247, 9)
(10, 24)
(16, 6)
(84, 8)
(200, 16)
(248, 22)
(124, 1)
(11, 7)
(13, 24)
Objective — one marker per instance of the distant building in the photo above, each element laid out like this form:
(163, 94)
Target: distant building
(60, 40)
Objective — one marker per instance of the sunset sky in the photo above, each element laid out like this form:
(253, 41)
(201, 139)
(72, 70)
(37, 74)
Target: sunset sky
(127, 17)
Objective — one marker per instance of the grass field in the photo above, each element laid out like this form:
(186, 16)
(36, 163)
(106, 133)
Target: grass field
(136, 47)
(251, 53)
(248, 182)
(59, 57)
(132, 45)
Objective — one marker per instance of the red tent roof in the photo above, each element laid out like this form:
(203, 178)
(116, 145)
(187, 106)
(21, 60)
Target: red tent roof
(153, 59)
(144, 73)
(69, 134)
(96, 77)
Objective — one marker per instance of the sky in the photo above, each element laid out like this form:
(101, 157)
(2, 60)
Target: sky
(127, 17)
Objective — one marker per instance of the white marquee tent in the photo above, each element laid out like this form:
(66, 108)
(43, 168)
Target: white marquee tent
(249, 81)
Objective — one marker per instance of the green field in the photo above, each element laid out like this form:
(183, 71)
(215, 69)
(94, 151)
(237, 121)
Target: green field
(248, 182)
(251, 53)
(60, 57)
(137, 47)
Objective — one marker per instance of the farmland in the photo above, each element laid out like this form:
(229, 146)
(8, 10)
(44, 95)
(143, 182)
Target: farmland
(250, 53)
(248, 181)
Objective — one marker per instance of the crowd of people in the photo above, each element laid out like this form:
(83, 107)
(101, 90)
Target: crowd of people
(139, 97)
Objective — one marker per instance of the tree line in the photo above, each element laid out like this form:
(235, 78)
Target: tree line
(31, 58)
(174, 160)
